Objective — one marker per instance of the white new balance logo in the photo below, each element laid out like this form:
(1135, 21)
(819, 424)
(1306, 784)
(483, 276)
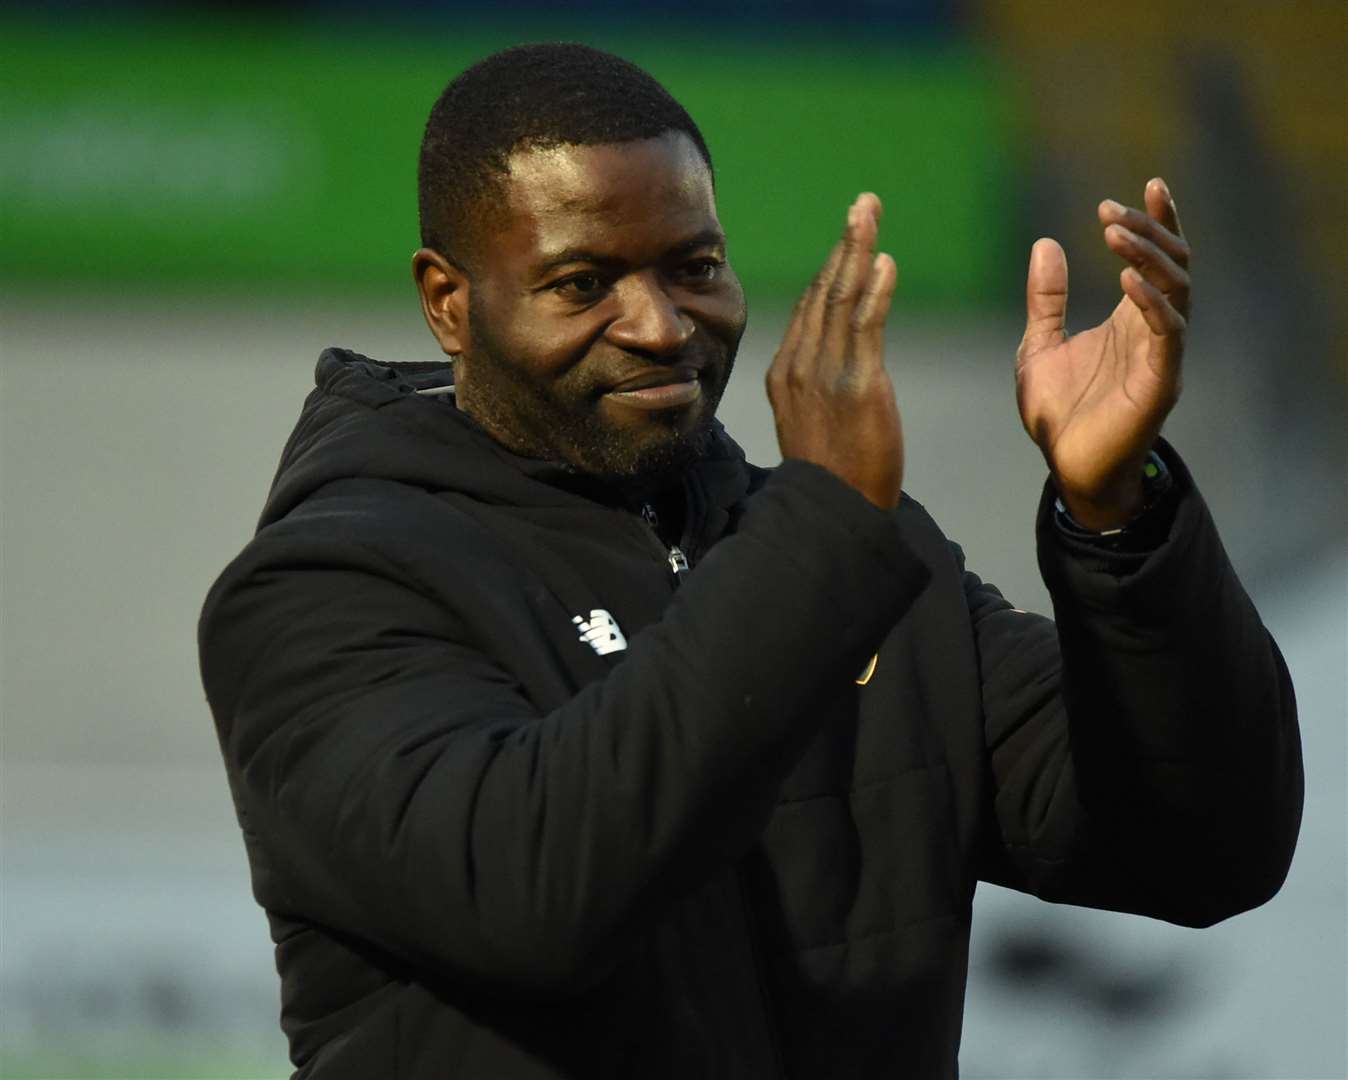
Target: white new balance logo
(600, 632)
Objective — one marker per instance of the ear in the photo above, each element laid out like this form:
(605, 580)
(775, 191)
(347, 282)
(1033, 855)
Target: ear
(444, 299)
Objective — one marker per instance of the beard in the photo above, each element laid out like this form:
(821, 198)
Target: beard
(563, 419)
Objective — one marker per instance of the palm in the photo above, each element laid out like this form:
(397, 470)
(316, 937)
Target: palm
(1096, 397)
(1094, 402)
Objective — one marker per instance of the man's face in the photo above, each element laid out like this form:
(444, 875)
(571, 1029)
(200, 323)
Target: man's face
(603, 315)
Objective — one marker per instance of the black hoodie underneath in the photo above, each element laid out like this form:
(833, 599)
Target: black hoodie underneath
(491, 847)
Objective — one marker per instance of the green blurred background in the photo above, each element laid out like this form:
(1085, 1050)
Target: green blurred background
(195, 199)
(241, 154)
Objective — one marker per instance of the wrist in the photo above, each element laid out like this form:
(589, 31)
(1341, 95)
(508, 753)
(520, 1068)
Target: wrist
(1154, 483)
(1109, 513)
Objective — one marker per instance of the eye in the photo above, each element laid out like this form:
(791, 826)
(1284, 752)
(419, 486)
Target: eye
(700, 271)
(587, 285)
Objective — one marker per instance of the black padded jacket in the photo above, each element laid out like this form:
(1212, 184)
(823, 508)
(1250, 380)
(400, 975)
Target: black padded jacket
(522, 800)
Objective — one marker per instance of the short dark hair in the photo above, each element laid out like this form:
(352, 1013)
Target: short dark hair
(529, 96)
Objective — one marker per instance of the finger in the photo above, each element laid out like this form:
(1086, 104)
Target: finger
(815, 300)
(788, 346)
(867, 347)
(806, 311)
(854, 270)
(1153, 263)
(1159, 314)
(1161, 205)
(1146, 224)
(1045, 297)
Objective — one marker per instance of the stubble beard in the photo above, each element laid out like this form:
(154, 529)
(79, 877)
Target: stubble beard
(521, 413)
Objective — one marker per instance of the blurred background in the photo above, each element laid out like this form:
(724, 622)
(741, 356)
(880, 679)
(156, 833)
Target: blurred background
(196, 199)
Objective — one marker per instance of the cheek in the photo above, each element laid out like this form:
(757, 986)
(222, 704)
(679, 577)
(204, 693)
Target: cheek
(553, 346)
(725, 313)
(525, 336)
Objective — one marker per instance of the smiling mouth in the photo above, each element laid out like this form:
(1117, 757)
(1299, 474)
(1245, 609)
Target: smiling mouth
(666, 389)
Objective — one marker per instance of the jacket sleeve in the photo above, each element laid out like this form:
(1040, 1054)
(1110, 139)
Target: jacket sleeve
(395, 785)
(1144, 752)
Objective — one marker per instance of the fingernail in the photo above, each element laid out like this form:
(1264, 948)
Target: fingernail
(1113, 207)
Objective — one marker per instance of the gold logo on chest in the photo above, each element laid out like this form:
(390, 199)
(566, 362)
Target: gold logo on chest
(865, 676)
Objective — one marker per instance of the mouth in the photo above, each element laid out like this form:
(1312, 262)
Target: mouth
(663, 388)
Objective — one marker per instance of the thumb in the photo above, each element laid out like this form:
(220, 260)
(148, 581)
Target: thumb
(1045, 297)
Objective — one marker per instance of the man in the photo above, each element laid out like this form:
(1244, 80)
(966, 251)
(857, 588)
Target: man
(567, 744)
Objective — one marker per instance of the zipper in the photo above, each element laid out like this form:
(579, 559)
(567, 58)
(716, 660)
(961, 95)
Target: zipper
(674, 556)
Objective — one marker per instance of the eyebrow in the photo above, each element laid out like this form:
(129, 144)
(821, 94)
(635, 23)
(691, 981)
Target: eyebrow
(706, 238)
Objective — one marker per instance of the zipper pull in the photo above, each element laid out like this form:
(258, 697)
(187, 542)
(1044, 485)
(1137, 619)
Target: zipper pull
(678, 561)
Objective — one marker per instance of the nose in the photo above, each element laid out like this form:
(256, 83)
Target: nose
(648, 321)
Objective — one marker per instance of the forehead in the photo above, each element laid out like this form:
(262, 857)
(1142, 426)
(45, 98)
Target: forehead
(643, 193)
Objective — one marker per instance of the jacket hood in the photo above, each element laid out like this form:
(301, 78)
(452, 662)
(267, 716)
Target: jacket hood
(370, 420)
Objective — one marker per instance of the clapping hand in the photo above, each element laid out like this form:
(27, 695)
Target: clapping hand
(1094, 402)
(831, 396)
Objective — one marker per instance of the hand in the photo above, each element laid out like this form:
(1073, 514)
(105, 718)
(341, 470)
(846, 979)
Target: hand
(1094, 403)
(831, 396)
